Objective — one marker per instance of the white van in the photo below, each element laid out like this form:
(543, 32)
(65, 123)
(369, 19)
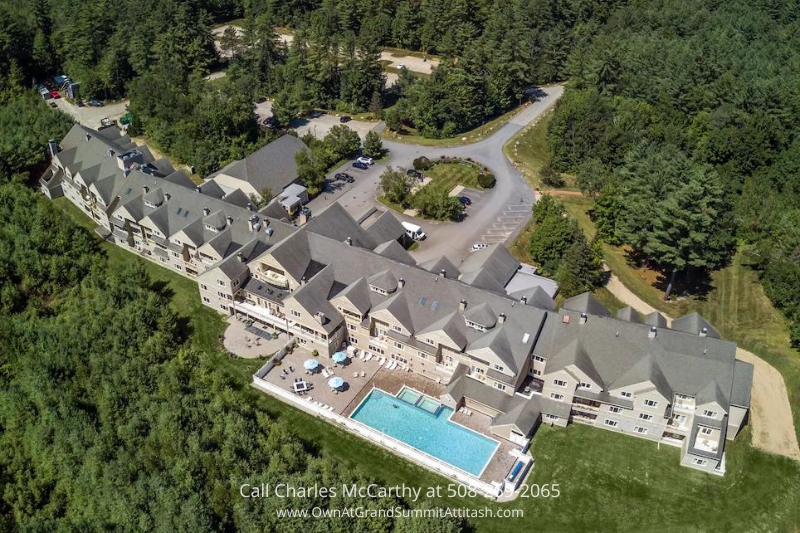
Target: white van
(414, 231)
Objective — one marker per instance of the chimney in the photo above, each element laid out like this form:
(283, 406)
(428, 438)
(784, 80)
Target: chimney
(501, 318)
(270, 231)
(524, 300)
(462, 305)
(197, 189)
(167, 196)
(303, 280)
(229, 219)
(704, 332)
(349, 241)
(401, 283)
(443, 273)
(240, 256)
(88, 136)
(653, 331)
(584, 318)
(249, 206)
(145, 189)
(320, 316)
(206, 211)
(110, 153)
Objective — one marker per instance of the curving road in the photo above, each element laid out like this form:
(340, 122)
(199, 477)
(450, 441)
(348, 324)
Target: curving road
(497, 213)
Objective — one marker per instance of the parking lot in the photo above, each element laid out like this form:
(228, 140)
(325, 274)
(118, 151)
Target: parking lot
(319, 127)
(91, 116)
(505, 223)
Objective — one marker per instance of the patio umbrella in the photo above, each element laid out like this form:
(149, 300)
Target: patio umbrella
(311, 364)
(335, 382)
(339, 357)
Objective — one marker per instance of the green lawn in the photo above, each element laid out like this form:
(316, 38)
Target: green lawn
(446, 176)
(608, 482)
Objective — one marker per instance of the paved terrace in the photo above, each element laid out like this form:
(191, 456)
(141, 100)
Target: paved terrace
(345, 401)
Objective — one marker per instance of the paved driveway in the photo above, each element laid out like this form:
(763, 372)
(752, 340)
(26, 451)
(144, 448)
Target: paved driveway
(90, 116)
(320, 126)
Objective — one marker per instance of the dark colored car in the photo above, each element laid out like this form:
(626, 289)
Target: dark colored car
(359, 164)
(316, 114)
(343, 176)
(465, 200)
(345, 119)
(96, 103)
(415, 173)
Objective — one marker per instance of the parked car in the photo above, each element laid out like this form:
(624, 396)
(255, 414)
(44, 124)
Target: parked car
(96, 103)
(55, 94)
(269, 121)
(343, 176)
(106, 122)
(53, 104)
(465, 200)
(401, 66)
(316, 114)
(345, 119)
(359, 164)
(366, 160)
(414, 231)
(479, 246)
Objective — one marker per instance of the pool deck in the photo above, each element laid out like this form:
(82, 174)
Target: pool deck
(345, 401)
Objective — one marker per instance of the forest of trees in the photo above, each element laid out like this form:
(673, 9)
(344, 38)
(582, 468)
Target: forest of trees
(682, 120)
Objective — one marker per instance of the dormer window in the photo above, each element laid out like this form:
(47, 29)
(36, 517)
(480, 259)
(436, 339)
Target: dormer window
(585, 386)
(380, 291)
(209, 227)
(625, 394)
(475, 325)
(499, 368)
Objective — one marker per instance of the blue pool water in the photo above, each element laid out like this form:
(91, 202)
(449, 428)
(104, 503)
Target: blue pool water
(429, 433)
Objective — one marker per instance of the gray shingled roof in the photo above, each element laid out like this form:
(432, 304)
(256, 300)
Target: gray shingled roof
(393, 250)
(313, 297)
(272, 167)
(629, 314)
(742, 384)
(452, 326)
(385, 227)
(358, 294)
(384, 280)
(536, 296)
(496, 340)
(711, 393)
(441, 263)
(336, 223)
(655, 319)
(397, 306)
(574, 354)
(694, 324)
(490, 268)
(585, 303)
(645, 369)
(481, 314)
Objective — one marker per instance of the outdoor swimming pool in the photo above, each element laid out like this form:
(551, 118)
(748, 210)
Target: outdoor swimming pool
(431, 433)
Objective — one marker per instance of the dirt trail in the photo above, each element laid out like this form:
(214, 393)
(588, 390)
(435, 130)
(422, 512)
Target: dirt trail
(770, 411)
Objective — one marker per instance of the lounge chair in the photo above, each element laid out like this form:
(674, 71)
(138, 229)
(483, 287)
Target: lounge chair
(381, 361)
(330, 408)
(325, 373)
(309, 399)
(394, 365)
(368, 357)
(363, 374)
(389, 364)
(355, 374)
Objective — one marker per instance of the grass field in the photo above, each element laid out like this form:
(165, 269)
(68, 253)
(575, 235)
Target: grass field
(446, 176)
(608, 482)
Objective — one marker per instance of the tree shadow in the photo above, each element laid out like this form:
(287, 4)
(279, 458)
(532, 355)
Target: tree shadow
(691, 283)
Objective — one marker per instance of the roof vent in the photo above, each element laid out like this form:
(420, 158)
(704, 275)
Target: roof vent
(616, 334)
(167, 196)
(704, 331)
(145, 189)
(462, 305)
(110, 153)
(270, 231)
(88, 136)
(197, 189)
(443, 273)
(229, 219)
(401, 283)
(206, 211)
(584, 318)
(652, 334)
(501, 318)
(249, 206)
(349, 241)
(320, 316)
(240, 256)
(524, 300)
(565, 319)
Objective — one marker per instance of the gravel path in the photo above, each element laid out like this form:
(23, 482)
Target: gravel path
(770, 410)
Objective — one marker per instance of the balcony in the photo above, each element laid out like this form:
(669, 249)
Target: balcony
(274, 278)
(683, 407)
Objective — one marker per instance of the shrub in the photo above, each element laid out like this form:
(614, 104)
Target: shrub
(422, 163)
(551, 177)
(486, 180)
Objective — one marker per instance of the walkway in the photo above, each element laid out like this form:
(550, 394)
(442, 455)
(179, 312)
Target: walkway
(770, 410)
(247, 344)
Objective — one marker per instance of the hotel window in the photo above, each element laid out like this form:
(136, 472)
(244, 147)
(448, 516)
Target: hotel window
(699, 462)
(175, 254)
(614, 409)
(537, 372)
(499, 368)
(203, 286)
(353, 341)
(179, 267)
(430, 341)
(206, 300)
(651, 403)
(398, 344)
(559, 383)
(499, 386)
(537, 358)
(555, 396)
(236, 283)
(583, 385)
(397, 328)
(625, 394)
(706, 431)
(551, 417)
(709, 414)
(611, 423)
(295, 313)
(644, 416)
(640, 430)
(351, 327)
(223, 307)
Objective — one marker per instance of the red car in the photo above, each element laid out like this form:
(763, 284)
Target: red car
(54, 94)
